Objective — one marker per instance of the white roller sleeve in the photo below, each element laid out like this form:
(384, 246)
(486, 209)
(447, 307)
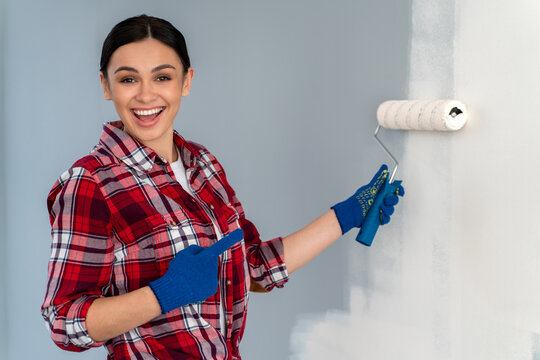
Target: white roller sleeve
(435, 115)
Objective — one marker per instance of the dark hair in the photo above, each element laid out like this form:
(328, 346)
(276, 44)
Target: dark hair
(139, 28)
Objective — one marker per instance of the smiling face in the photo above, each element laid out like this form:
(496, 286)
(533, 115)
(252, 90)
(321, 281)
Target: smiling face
(146, 82)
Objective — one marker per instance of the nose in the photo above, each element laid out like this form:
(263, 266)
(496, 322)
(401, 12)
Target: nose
(146, 92)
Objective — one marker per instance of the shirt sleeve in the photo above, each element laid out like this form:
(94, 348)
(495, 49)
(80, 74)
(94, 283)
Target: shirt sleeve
(266, 259)
(81, 258)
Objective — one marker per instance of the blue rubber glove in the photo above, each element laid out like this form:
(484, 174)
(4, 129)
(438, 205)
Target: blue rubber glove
(352, 212)
(192, 274)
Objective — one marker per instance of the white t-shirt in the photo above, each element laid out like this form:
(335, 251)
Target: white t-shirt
(180, 174)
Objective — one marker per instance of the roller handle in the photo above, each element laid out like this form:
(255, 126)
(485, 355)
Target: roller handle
(372, 221)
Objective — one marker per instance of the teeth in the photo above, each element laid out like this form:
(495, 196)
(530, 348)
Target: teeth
(148, 112)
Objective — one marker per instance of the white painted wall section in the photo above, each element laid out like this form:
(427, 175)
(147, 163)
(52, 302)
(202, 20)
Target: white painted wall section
(496, 170)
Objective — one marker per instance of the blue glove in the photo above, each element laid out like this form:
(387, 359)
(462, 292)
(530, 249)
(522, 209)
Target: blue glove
(352, 212)
(387, 206)
(380, 211)
(192, 274)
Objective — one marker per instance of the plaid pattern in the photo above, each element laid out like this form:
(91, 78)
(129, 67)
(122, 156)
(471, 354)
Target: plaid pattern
(118, 217)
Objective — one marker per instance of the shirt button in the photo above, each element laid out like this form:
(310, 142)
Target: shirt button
(211, 206)
(228, 322)
(172, 223)
(229, 282)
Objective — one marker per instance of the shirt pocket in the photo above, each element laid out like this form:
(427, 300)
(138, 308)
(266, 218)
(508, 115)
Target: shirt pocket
(174, 232)
(135, 254)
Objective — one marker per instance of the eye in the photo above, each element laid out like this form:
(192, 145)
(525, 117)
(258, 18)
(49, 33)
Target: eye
(163, 78)
(127, 80)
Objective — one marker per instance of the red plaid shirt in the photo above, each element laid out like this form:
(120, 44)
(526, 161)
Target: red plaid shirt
(118, 217)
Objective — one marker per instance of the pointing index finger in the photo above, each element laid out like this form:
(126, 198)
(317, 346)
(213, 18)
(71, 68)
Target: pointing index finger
(222, 245)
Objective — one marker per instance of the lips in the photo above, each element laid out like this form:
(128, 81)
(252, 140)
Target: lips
(147, 117)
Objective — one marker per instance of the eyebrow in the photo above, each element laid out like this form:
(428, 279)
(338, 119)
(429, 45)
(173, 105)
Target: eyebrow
(156, 69)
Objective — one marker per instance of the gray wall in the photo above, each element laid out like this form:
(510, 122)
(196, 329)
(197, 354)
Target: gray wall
(3, 257)
(288, 89)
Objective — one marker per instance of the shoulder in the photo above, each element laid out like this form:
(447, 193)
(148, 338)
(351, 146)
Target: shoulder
(196, 148)
(205, 155)
(88, 167)
(98, 159)
(82, 175)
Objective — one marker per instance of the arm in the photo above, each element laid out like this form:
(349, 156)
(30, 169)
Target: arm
(270, 262)
(191, 277)
(81, 257)
(112, 316)
(78, 314)
(308, 242)
(303, 245)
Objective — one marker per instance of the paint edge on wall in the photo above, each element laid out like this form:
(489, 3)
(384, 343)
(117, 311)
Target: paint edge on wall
(373, 320)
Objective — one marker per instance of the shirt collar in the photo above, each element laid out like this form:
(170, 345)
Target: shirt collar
(138, 156)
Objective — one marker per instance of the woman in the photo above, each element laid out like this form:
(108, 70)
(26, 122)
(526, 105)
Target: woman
(152, 255)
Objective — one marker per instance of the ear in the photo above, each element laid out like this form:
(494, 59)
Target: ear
(186, 84)
(105, 84)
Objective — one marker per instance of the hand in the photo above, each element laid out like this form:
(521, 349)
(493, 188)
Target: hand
(387, 206)
(351, 212)
(192, 274)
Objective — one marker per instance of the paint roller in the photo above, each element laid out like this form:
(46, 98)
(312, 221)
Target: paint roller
(430, 115)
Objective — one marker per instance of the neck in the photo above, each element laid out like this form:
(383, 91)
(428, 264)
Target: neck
(165, 149)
